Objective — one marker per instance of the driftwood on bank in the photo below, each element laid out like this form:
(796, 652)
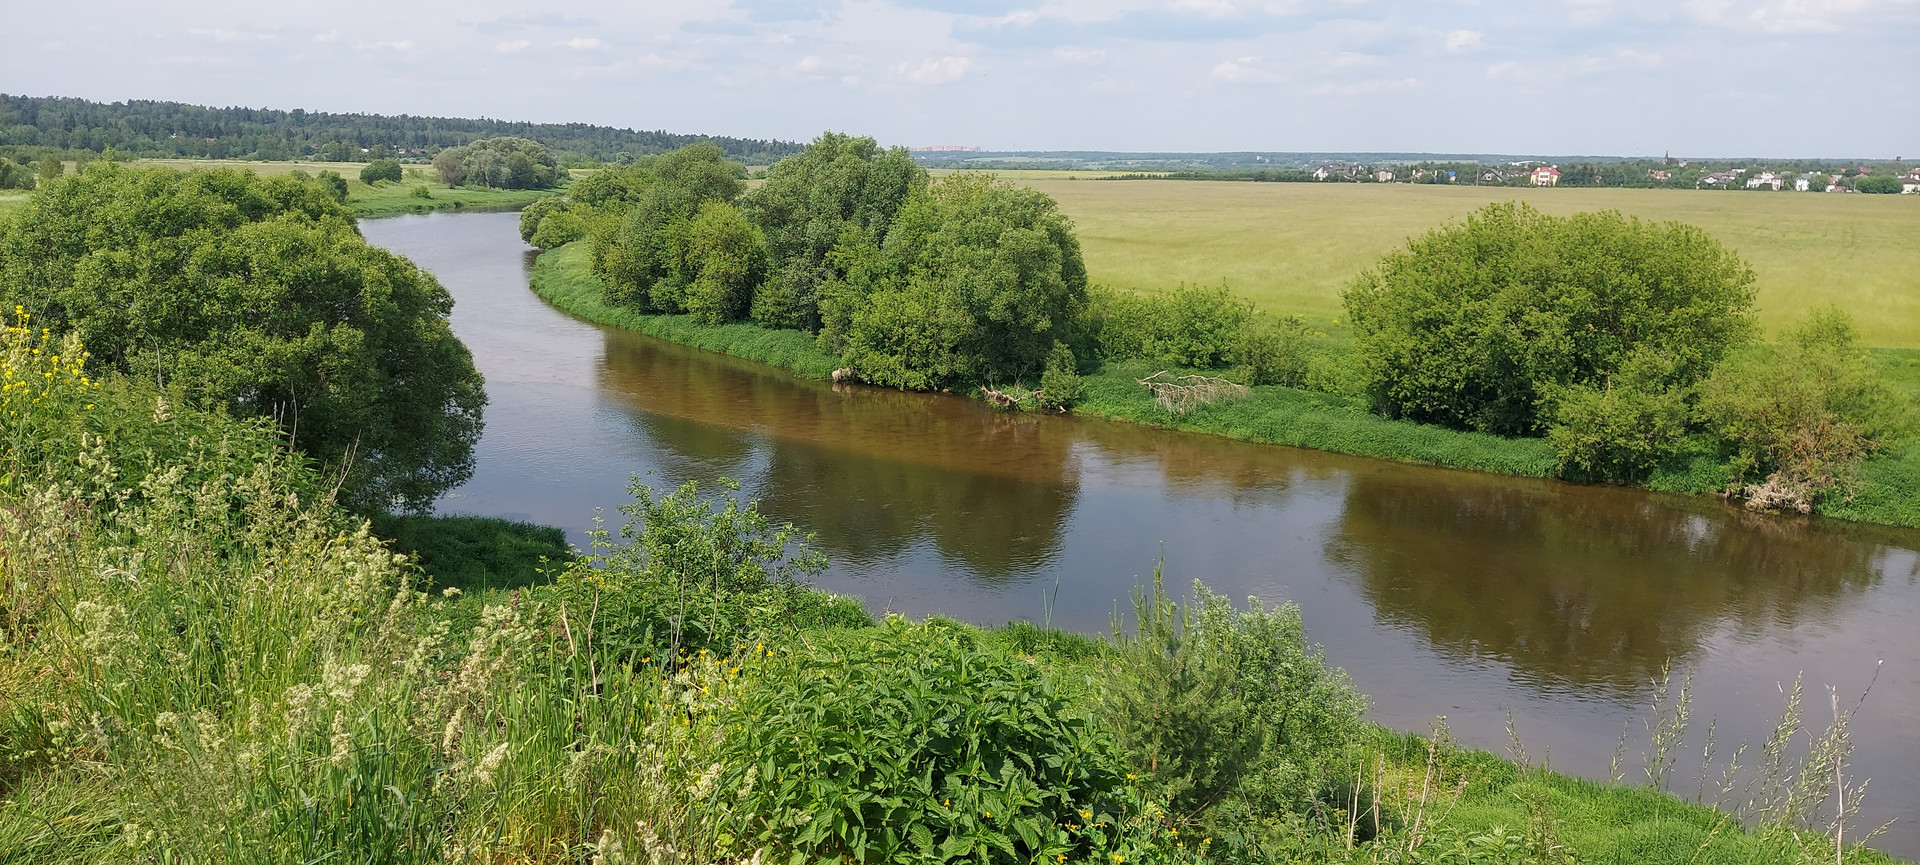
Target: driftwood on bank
(1182, 394)
(1008, 399)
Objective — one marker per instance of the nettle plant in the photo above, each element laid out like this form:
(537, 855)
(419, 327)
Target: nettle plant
(913, 743)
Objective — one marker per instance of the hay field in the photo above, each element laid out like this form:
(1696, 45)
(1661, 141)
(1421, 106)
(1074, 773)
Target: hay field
(1291, 247)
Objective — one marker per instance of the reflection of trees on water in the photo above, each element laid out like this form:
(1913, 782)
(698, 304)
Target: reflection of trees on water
(1594, 588)
(873, 472)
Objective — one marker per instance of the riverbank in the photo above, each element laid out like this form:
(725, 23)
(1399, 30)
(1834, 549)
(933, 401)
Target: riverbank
(394, 199)
(1886, 490)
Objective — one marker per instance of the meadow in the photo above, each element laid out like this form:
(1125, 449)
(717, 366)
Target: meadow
(1292, 247)
(384, 199)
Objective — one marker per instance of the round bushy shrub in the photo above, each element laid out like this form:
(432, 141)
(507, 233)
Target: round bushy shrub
(1474, 324)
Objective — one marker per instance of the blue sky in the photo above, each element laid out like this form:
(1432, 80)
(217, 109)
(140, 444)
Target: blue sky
(1621, 77)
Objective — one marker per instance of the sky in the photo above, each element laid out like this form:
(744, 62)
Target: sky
(1779, 78)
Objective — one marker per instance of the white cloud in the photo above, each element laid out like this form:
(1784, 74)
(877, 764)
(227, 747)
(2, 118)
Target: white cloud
(582, 43)
(396, 45)
(932, 71)
(513, 47)
(809, 63)
(1079, 55)
(329, 36)
(1243, 70)
(1462, 41)
(1506, 70)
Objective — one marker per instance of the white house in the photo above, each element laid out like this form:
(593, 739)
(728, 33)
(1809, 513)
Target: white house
(1765, 178)
(1384, 175)
(1910, 183)
(1546, 175)
(1803, 183)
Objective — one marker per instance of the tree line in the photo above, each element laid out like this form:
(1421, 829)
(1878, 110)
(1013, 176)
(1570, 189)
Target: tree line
(157, 129)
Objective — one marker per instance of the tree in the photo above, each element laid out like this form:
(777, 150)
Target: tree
(639, 256)
(258, 295)
(499, 163)
(51, 167)
(725, 257)
(335, 185)
(975, 282)
(381, 169)
(807, 203)
(1474, 325)
(1878, 183)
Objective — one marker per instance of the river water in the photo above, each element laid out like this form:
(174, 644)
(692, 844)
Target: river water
(1440, 592)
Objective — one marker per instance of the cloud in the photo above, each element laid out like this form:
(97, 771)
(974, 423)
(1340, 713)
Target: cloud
(510, 23)
(396, 45)
(512, 47)
(230, 37)
(1242, 70)
(1079, 55)
(1463, 41)
(809, 63)
(931, 71)
(582, 43)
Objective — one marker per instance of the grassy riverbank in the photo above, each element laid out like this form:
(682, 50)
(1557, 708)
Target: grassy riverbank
(384, 198)
(1885, 491)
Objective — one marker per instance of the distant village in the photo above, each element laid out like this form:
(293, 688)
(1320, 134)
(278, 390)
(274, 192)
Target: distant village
(1662, 174)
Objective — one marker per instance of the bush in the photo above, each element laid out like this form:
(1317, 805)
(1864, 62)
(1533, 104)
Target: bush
(725, 259)
(914, 743)
(689, 573)
(380, 169)
(1060, 385)
(1474, 324)
(476, 553)
(335, 185)
(1274, 351)
(1802, 413)
(549, 223)
(640, 250)
(1191, 326)
(1235, 716)
(1622, 430)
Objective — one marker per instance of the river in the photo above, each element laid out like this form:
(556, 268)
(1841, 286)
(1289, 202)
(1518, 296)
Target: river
(1440, 592)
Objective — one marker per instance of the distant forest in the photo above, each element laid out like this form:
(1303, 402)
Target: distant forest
(146, 128)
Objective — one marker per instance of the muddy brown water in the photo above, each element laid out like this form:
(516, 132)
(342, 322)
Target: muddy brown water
(1440, 592)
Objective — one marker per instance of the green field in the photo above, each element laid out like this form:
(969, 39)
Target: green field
(1291, 247)
(386, 199)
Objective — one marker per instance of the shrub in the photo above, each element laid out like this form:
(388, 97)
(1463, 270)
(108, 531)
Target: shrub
(380, 169)
(334, 184)
(689, 573)
(725, 259)
(1623, 429)
(1060, 385)
(499, 163)
(1274, 351)
(1191, 326)
(914, 743)
(1473, 324)
(1236, 718)
(1804, 412)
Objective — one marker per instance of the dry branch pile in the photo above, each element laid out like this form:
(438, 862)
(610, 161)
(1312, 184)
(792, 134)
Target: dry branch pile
(1182, 394)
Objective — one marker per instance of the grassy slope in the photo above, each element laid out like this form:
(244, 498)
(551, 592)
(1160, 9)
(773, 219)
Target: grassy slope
(1291, 247)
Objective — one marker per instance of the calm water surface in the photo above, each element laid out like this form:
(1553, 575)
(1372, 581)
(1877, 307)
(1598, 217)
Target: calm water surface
(1440, 592)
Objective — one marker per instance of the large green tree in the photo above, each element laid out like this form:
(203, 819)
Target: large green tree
(808, 201)
(976, 280)
(258, 295)
(1479, 324)
(641, 256)
(500, 163)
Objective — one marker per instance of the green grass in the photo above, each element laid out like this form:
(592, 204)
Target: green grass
(1328, 422)
(12, 200)
(1292, 247)
(562, 277)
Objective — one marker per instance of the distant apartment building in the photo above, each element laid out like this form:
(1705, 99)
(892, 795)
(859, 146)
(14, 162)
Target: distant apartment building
(1546, 175)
